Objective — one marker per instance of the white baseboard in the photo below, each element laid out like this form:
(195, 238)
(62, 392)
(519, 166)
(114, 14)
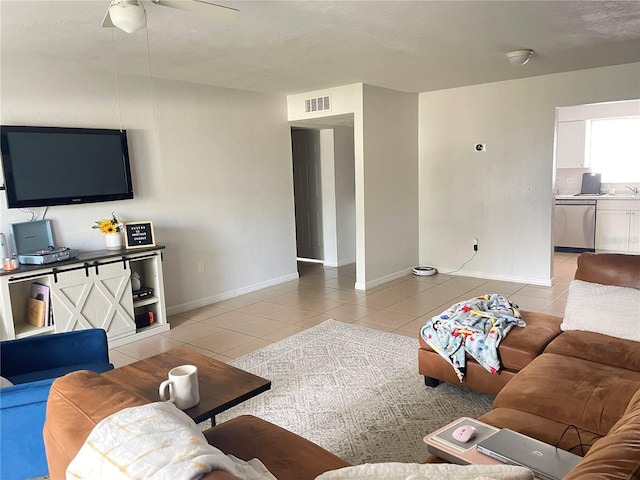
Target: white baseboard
(381, 280)
(340, 263)
(309, 260)
(346, 261)
(544, 282)
(185, 307)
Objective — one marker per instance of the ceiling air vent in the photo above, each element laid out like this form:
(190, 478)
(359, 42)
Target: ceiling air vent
(317, 104)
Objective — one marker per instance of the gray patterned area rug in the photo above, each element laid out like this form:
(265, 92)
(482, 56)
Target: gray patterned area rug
(354, 391)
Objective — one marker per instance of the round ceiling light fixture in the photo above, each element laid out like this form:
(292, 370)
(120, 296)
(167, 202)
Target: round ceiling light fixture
(127, 15)
(519, 57)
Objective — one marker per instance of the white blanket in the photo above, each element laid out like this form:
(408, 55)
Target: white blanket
(156, 441)
(436, 471)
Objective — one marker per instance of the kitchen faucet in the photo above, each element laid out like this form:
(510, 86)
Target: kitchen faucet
(633, 190)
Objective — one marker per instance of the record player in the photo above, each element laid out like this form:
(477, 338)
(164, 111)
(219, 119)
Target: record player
(35, 246)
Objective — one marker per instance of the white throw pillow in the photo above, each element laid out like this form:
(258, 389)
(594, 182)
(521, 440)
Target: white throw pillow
(4, 382)
(433, 471)
(606, 309)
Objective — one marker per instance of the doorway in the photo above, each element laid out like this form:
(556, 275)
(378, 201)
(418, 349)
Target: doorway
(307, 193)
(324, 191)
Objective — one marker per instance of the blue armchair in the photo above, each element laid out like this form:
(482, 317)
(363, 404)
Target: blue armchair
(32, 364)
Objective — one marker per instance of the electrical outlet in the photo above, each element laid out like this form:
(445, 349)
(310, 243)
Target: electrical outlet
(571, 180)
(475, 244)
(200, 267)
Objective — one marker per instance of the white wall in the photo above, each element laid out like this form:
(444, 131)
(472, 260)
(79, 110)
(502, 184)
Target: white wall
(386, 188)
(390, 186)
(215, 177)
(630, 108)
(338, 196)
(329, 213)
(505, 195)
(346, 99)
(345, 194)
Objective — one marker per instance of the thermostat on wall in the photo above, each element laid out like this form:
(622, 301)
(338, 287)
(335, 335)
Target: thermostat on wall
(424, 271)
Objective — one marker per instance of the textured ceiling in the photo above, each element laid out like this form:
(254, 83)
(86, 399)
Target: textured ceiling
(289, 47)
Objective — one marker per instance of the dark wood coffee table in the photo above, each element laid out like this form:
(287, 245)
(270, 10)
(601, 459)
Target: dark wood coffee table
(222, 386)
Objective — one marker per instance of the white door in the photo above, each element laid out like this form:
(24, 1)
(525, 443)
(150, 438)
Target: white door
(305, 145)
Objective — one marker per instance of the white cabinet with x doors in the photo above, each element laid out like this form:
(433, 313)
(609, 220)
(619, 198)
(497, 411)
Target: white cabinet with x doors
(93, 291)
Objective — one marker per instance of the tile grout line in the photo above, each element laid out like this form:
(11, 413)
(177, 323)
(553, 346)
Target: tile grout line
(314, 279)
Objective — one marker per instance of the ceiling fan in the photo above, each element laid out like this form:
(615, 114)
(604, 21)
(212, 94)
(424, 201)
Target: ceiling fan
(130, 16)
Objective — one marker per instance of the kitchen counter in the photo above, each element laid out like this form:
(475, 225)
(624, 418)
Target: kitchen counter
(597, 197)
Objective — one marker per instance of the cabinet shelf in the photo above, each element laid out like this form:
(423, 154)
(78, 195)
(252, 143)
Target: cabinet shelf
(154, 326)
(145, 301)
(26, 330)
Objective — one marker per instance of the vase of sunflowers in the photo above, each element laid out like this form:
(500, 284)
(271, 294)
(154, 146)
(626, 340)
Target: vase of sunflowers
(112, 229)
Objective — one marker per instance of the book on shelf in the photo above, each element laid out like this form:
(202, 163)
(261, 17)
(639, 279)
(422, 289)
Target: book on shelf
(35, 311)
(39, 313)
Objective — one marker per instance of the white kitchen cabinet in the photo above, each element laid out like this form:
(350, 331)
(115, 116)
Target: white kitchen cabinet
(571, 145)
(634, 232)
(92, 291)
(618, 226)
(612, 230)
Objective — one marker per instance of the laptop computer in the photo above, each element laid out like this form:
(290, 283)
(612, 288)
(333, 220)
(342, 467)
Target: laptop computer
(545, 461)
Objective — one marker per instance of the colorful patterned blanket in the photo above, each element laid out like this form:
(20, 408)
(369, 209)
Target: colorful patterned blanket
(475, 326)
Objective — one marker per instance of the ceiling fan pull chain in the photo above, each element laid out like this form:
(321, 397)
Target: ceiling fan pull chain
(153, 95)
(115, 75)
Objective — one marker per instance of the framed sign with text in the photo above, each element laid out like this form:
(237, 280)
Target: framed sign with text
(139, 235)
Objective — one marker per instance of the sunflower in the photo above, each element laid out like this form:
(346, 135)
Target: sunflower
(108, 226)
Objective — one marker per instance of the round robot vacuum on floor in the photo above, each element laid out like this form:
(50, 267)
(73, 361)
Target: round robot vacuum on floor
(424, 271)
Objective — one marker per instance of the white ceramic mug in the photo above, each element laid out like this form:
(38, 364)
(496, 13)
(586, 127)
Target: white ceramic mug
(183, 387)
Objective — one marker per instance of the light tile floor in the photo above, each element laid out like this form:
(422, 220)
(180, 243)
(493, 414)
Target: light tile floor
(234, 327)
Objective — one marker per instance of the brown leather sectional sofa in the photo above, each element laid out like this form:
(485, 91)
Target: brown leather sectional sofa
(79, 400)
(584, 379)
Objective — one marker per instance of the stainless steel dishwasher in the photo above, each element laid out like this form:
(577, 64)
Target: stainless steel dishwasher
(575, 224)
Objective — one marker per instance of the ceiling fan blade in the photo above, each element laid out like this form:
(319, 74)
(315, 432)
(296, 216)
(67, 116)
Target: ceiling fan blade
(106, 21)
(198, 6)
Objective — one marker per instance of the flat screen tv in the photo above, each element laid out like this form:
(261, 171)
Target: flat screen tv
(46, 166)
